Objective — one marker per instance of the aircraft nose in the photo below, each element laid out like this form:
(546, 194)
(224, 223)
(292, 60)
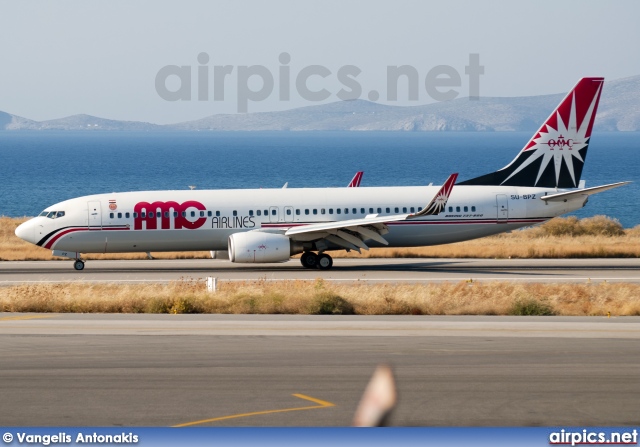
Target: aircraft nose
(27, 231)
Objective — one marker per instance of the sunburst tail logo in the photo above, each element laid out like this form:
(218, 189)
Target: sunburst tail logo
(555, 155)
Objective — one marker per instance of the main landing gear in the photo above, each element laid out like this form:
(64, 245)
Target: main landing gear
(78, 264)
(311, 260)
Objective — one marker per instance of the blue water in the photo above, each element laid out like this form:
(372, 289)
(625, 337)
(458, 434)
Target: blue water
(41, 168)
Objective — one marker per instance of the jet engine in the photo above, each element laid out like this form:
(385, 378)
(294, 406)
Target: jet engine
(258, 246)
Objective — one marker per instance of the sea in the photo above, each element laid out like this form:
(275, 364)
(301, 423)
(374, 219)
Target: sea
(40, 168)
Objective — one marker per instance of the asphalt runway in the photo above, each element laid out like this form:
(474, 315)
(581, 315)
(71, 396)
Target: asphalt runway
(346, 270)
(278, 370)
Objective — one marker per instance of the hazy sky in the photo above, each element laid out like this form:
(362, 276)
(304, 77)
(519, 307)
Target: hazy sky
(61, 58)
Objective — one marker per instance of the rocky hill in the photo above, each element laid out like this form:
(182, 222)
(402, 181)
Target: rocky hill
(619, 111)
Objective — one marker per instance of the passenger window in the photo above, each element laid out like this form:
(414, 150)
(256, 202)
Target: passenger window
(451, 209)
(135, 215)
(184, 214)
(175, 214)
(201, 213)
(361, 210)
(370, 210)
(397, 210)
(321, 210)
(330, 210)
(251, 213)
(259, 213)
(388, 210)
(379, 210)
(120, 215)
(315, 211)
(306, 212)
(273, 212)
(339, 211)
(193, 214)
(127, 215)
(354, 211)
(413, 210)
(235, 212)
(111, 215)
(457, 209)
(466, 209)
(346, 210)
(404, 209)
(297, 211)
(473, 209)
(143, 215)
(151, 215)
(209, 213)
(289, 212)
(217, 213)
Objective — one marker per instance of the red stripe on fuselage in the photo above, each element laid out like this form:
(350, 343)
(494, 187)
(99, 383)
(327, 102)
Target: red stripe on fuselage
(422, 222)
(53, 239)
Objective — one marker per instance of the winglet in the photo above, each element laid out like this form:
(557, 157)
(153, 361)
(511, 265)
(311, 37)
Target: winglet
(437, 204)
(355, 181)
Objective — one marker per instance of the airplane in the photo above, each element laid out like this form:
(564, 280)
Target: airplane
(271, 225)
(355, 181)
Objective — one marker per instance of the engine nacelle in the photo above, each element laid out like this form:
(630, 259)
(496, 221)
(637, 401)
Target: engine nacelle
(258, 246)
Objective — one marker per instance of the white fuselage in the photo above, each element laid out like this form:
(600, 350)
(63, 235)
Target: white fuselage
(204, 220)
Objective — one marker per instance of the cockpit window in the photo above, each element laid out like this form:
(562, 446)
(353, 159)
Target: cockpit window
(52, 214)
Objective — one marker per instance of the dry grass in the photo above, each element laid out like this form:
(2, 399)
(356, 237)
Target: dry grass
(320, 297)
(562, 237)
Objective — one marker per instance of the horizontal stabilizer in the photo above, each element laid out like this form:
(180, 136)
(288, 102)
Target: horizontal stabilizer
(564, 196)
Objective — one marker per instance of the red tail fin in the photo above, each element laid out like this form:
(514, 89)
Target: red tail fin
(355, 181)
(555, 156)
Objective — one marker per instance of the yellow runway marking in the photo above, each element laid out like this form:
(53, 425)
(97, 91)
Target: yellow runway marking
(25, 317)
(321, 404)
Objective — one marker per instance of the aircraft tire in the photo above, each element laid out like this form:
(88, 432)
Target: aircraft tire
(309, 260)
(325, 262)
(78, 265)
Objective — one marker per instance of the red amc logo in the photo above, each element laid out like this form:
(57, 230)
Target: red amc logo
(151, 213)
(560, 143)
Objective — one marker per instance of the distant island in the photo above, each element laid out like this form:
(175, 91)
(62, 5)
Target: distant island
(619, 110)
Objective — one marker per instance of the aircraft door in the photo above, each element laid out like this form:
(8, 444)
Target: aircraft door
(95, 214)
(288, 214)
(503, 208)
(273, 214)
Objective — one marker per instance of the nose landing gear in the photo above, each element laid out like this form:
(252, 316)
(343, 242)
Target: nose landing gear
(78, 264)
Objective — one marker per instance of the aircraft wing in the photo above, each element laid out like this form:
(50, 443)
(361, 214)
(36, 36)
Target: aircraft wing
(564, 196)
(351, 234)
